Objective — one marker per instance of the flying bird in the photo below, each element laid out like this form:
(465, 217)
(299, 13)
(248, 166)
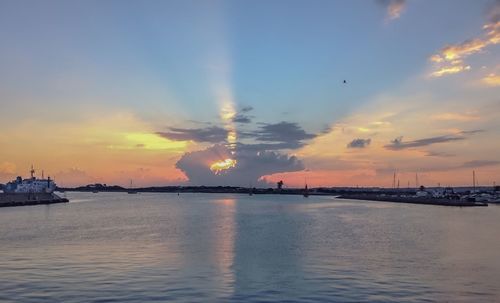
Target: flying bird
(345, 81)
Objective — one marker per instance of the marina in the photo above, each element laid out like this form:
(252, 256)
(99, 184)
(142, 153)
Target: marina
(442, 196)
(413, 200)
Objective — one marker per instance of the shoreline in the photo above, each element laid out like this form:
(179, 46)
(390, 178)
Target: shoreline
(366, 196)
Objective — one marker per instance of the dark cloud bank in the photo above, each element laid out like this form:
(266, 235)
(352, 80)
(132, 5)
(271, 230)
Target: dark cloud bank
(211, 134)
(260, 151)
(250, 167)
(242, 116)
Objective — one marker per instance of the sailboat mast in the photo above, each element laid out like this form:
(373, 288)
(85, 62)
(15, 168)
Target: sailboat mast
(474, 180)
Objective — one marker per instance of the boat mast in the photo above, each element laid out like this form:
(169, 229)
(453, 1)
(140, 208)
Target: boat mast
(474, 180)
(306, 190)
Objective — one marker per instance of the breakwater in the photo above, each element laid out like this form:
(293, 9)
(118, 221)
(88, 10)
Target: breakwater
(24, 199)
(413, 200)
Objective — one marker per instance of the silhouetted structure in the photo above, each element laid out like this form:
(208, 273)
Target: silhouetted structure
(280, 185)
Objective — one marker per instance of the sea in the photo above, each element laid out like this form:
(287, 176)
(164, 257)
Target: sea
(194, 247)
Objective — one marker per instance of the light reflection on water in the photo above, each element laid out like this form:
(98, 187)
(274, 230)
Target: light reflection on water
(114, 247)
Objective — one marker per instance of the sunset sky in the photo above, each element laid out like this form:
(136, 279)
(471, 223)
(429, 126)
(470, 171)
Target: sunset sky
(249, 92)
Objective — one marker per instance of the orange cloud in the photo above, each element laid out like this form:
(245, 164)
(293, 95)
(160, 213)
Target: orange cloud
(436, 58)
(448, 70)
(493, 32)
(395, 9)
(456, 117)
(491, 80)
(458, 51)
(422, 119)
(106, 148)
(449, 60)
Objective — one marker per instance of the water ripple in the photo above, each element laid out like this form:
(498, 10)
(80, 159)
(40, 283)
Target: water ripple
(224, 248)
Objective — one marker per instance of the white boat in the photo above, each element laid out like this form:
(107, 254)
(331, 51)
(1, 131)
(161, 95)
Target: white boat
(131, 190)
(31, 185)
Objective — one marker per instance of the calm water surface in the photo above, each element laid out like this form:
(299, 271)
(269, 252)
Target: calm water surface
(114, 247)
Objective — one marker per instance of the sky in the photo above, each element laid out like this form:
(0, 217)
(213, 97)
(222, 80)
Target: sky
(247, 93)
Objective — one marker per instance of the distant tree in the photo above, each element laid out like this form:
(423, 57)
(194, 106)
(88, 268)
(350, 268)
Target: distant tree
(280, 184)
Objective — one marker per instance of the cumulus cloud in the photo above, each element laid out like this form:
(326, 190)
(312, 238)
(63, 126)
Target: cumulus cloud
(250, 166)
(211, 134)
(359, 143)
(394, 8)
(450, 59)
(257, 152)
